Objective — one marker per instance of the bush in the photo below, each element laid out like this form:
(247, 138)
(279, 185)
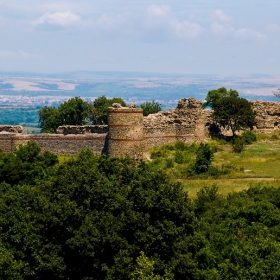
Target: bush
(204, 158)
(238, 144)
(249, 137)
(169, 163)
(181, 146)
(179, 157)
(274, 137)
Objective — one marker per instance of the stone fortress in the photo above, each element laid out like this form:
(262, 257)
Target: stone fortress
(130, 134)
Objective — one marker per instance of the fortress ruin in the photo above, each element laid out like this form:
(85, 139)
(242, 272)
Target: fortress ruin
(129, 133)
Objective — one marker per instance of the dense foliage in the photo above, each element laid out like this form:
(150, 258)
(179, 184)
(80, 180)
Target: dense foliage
(214, 95)
(234, 113)
(100, 108)
(75, 111)
(150, 107)
(94, 217)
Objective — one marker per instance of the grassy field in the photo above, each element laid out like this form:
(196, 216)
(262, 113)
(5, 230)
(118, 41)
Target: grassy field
(226, 186)
(257, 165)
(258, 160)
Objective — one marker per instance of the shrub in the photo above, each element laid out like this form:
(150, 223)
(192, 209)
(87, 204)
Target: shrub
(169, 163)
(238, 144)
(179, 157)
(204, 158)
(249, 137)
(156, 154)
(181, 146)
(274, 137)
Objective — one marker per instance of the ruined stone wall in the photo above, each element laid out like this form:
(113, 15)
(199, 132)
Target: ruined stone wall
(11, 128)
(82, 129)
(129, 133)
(267, 116)
(185, 123)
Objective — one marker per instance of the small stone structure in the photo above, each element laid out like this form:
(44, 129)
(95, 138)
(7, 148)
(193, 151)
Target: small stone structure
(129, 133)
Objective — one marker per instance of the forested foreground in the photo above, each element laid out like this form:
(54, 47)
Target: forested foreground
(98, 218)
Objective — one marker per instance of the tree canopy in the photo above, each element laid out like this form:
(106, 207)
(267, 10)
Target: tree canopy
(150, 107)
(94, 217)
(234, 113)
(100, 108)
(75, 111)
(214, 95)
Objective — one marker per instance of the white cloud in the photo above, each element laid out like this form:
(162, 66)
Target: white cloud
(161, 20)
(64, 19)
(219, 29)
(245, 33)
(221, 24)
(187, 30)
(219, 15)
(159, 11)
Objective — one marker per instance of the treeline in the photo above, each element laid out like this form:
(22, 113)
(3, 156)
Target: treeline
(94, 217)
(77, 111)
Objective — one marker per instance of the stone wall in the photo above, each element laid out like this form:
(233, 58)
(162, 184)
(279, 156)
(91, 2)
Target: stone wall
(267, 116)
(129, 133)
(185, 123)
(83, 129)
(11, 128)
(56, 143)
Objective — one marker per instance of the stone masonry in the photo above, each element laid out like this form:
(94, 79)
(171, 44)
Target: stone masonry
(129, 133)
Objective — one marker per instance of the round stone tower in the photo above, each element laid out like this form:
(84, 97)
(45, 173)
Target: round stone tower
(125, 132)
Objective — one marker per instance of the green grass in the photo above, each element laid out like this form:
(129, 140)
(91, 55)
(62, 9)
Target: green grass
(258, 160)
(225, 186)
(258, 163)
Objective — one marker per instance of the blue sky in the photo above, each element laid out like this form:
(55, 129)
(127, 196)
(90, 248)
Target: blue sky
(229, 37)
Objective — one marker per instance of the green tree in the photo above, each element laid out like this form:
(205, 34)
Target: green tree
(100, 108)
(26, 164)
(204, 157)
(234, 113)
(49, 119)
(75, 111)
(93, 218)
(150, 107)
(214, 95)
(145, 270)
